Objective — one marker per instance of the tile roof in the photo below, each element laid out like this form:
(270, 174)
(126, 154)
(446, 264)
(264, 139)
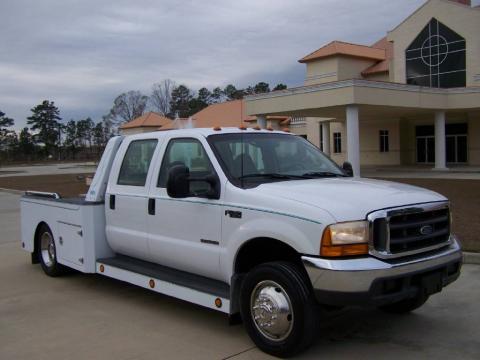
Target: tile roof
(149, 119)
(227, 114)
(382, 66)
(347, 49)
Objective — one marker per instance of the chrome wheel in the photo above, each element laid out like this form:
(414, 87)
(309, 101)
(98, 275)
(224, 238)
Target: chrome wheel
(271, 310)
(47, 249)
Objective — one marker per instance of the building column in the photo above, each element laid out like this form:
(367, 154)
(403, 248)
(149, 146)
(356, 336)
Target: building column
(353, 139)
(326, 138)
(262, 121)
(440, 142)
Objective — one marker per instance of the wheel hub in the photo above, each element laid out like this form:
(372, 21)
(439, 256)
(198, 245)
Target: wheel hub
(271, 310)
(47, 249)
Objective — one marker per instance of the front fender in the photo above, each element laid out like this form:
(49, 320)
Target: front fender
(302, 235)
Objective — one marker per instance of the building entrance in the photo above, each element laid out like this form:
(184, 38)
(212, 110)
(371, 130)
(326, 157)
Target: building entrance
(456, 144)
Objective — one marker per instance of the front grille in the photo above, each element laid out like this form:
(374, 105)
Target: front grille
(409, 230)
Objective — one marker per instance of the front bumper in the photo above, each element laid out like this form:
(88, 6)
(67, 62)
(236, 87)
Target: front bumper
(371, 281)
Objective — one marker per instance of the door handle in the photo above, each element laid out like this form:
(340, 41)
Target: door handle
(112, 202)
(151, 206)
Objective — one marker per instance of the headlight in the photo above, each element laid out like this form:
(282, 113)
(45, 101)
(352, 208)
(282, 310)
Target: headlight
(345, 239)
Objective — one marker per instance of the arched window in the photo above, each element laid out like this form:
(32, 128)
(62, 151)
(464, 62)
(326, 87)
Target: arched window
(436, 58)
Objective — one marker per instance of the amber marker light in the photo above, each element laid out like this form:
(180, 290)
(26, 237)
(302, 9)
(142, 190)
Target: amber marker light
(151, 283)
(102, 268)
(269, 128)
(345, 239)
(257, 128)
(242, 127)
(218, 302)
(287, 130)
(217, 128)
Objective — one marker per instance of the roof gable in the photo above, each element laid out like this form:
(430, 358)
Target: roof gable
(149, 119)
(346, 49)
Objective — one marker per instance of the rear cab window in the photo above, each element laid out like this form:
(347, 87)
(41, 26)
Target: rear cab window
(136, 162)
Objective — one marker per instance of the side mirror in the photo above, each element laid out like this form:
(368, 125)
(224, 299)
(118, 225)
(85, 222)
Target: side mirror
(178, 184)
(347, 167)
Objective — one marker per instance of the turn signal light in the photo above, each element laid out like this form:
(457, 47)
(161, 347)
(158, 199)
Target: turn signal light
(327, 249)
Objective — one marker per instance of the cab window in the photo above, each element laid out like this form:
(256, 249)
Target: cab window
(136, 162)
(188, 152)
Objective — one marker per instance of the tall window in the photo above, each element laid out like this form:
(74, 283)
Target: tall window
(437, 57)
(337, 142)
(136, 162)
(384, 147)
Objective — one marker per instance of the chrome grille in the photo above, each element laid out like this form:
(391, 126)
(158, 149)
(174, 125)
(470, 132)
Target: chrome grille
(409, 230)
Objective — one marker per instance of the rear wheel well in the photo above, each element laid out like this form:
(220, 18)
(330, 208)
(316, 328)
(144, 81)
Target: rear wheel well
(35, 254)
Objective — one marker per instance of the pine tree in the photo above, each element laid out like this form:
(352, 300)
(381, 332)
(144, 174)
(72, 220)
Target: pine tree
(45, 119)
(6, 135)
(181, 102)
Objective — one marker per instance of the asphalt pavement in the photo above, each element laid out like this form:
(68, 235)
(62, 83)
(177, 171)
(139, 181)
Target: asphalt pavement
(82, 316)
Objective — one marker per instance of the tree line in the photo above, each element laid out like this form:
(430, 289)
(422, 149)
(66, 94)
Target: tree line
(48, 137)
(172, 100)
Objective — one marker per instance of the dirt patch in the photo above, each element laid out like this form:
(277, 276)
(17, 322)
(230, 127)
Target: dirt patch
(6, 172)
(67, 185)
(464, 196)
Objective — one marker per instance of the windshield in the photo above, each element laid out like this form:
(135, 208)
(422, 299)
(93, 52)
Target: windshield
(249, 159)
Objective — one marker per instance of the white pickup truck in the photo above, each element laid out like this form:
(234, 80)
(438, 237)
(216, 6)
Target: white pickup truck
(252, 222)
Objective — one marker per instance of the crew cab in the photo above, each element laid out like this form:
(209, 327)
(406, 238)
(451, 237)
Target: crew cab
(253, 222)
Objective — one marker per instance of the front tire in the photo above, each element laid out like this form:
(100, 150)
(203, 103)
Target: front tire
(405, 306)
(47, 253)
(278, 309)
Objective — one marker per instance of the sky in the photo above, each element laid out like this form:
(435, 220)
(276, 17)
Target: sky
(81, 54)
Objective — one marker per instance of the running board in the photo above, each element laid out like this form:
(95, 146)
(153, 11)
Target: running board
(193, 288)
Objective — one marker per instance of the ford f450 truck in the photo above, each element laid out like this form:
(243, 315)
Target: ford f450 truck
(246, 221)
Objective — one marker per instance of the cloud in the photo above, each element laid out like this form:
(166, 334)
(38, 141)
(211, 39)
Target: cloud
(83, 53)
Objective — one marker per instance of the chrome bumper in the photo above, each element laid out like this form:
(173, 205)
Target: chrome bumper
(337, 281)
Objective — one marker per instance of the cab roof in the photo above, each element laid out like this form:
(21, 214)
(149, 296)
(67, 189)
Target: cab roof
(201, 131)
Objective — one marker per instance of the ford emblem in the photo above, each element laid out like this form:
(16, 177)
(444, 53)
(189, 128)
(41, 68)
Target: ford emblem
(426, 230)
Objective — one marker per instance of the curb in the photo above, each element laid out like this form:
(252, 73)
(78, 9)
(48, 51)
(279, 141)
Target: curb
(12, 191)
(471, 258)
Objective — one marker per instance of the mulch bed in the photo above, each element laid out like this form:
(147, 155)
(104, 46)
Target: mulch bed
(464, 196)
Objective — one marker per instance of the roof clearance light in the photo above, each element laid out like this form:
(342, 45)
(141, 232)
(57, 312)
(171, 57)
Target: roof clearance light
(217, 128)
(257, 128)
(242, 127)
(286, 130)
(151, 283)
(269, 128)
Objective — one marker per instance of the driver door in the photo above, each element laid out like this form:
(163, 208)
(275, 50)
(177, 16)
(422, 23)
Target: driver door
(185, 234)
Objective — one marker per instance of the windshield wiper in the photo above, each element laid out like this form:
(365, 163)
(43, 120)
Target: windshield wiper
(322, 174)
(275, 176)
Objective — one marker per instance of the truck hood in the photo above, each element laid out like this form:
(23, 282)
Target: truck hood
(348, 199)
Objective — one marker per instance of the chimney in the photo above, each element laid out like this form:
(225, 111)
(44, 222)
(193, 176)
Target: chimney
(464, 2)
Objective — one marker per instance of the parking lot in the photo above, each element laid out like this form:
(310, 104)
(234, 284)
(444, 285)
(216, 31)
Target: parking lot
(90, 317)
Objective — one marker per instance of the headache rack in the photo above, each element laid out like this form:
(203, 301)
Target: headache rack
(409, 230)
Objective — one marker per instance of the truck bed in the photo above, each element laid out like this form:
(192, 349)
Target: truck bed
(77, 226)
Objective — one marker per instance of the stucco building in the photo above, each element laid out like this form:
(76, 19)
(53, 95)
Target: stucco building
(413, 97)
